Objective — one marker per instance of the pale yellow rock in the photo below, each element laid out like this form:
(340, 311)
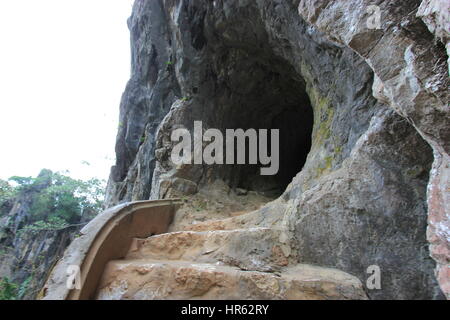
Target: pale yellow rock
(249, 249)
(151, 279)
(241, 256)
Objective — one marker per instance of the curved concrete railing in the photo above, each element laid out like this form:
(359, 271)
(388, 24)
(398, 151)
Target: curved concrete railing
(107, 237)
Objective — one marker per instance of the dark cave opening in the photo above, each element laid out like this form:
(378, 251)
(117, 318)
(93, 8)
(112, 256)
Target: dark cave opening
(275, 98)
(295, 123)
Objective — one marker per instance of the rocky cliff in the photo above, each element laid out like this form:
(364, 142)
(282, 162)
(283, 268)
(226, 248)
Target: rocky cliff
(38, 219)
(359, 91)
(27, 256)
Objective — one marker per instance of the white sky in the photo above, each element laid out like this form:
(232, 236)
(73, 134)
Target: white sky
(63, 67)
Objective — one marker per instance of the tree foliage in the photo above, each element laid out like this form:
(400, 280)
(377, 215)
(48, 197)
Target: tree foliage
(8, 289)
(57, 199)
(7, 194)
(12, 291)
(52, 201)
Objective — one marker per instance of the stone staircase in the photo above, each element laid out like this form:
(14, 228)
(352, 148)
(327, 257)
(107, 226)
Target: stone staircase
(220, 260)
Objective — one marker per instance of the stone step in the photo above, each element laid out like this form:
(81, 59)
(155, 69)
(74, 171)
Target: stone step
(265, 217)
(154, 280)
(256, 249)
(211, 225)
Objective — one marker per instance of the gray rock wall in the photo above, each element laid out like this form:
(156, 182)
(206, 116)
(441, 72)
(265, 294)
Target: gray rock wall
(360, 198)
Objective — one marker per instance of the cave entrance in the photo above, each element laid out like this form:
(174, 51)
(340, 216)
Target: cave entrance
(269, 94)
(295, 124)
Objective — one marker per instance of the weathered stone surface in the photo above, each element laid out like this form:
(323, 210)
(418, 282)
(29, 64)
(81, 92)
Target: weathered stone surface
(248, 263)
(371, 210)
(436, 15)
(417, 87)
(152, 280)
(314, 69)
(215, 201)
(255, 249)
(438, 232)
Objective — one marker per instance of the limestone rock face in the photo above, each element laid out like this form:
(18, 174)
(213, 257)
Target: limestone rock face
(436, 15)
(363, 116)
(26, 258)
(411, 76)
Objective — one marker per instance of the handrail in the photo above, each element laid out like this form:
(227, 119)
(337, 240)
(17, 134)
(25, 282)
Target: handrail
(107, 237)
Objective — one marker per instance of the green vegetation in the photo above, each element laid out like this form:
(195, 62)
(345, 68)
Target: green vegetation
(8, 290)
(23, 288)
(50, 202)
(7, 193)
(57, 200)
(326, 167)
(51, 224)
(12, 291)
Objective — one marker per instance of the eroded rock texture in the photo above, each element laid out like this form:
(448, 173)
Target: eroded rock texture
(26, 256)
(362, 113)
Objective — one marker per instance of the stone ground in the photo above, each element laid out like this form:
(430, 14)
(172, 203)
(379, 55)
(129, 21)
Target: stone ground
(217, 202)
(215, 250)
